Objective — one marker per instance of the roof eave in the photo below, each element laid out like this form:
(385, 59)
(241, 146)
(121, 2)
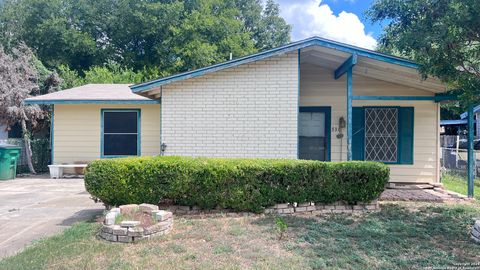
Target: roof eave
(279, 50)
(96, 101)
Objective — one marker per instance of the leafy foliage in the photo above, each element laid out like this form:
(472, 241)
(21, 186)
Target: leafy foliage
(22, 76)
(166, 35)
(441, 35)
(239, 184)
(281, 227)
(108, 73)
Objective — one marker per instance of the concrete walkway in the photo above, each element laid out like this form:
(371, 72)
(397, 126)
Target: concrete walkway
(421, 193)
(33, 208)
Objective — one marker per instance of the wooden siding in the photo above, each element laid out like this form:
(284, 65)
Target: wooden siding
(77, 131)
(318, 88)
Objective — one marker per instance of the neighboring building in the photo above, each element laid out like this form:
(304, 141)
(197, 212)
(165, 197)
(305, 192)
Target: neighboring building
(453, 127)
(476, 117)
(302, 100)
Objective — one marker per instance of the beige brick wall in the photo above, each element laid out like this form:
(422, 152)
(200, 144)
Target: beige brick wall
(247, 111)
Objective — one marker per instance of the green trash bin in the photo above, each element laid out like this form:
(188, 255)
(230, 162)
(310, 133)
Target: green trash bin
(9, 155)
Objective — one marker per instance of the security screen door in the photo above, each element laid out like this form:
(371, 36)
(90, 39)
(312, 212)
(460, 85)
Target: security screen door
(312, 135)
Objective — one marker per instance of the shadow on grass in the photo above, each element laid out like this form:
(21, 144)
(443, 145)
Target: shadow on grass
(88, 215)
(394, 238)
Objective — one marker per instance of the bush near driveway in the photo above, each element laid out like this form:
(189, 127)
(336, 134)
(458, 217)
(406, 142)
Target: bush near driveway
(237, 184)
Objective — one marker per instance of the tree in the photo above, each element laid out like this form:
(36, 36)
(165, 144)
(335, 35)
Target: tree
(442, 35)
(108, 73)
(268, 28)
(208, 34)
(167, 35)
(274, 31)
(19, 79)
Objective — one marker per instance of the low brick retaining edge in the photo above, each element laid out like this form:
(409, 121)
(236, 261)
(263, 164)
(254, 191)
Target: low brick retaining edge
(285, 209)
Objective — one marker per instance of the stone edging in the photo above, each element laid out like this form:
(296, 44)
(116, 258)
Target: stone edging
(283, 209)
(132, 231)
(475, 234)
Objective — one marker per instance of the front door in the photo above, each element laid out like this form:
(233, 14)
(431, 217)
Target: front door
(314, 133)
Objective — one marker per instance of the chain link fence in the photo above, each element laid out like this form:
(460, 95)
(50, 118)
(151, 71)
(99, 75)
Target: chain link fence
(454, 151)
(40, 154)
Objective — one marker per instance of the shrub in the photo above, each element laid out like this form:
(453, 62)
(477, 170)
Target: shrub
(238, 184)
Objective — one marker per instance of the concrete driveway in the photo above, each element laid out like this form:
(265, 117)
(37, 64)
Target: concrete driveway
(32, 208)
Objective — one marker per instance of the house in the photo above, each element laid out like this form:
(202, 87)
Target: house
(100, 121)
(312, 99)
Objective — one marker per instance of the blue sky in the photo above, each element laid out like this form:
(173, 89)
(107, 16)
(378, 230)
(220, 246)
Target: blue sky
(340, 20)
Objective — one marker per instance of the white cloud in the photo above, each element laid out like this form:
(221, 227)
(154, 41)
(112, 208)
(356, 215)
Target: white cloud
(312, 18)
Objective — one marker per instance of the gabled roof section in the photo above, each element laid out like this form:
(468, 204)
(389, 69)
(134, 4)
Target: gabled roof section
(93, 94)
(276, 51)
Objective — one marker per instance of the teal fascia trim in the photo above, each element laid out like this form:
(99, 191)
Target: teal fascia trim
(436, 98)
(349, 114)
(110, 101)
(328, 124)
(445, 97)
(139, 131)
(432, 98)
(52, 130)
(314, 41)
(470, 160)
(348, 64)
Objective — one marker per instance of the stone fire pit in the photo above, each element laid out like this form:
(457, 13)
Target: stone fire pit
(133, 222)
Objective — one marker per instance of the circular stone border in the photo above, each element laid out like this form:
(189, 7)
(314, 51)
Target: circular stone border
(129, 231)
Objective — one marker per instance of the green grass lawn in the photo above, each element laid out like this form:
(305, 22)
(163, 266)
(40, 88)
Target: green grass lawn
(397, 237)
(459, 184)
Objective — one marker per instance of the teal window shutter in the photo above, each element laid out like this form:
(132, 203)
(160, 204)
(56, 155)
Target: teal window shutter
(358, 133)
(405, 134)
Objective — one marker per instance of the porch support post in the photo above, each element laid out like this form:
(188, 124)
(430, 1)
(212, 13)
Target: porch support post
(349, 114)
(471, 161)
(347, 67)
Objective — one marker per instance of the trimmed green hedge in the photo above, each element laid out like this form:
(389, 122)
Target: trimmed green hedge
(238, 184)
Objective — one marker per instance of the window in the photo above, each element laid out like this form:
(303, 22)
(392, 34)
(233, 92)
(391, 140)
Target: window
(313, 133)
(120, 133)
(381, 134)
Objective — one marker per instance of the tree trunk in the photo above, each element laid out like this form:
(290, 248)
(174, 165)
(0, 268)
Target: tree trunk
(28, 149)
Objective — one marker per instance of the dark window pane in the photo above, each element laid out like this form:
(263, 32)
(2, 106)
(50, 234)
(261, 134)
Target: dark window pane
(312, 140)
(312, 148)
(120, 145)
(120, 122)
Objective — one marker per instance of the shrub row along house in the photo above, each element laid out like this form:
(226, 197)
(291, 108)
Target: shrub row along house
(312, 99)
